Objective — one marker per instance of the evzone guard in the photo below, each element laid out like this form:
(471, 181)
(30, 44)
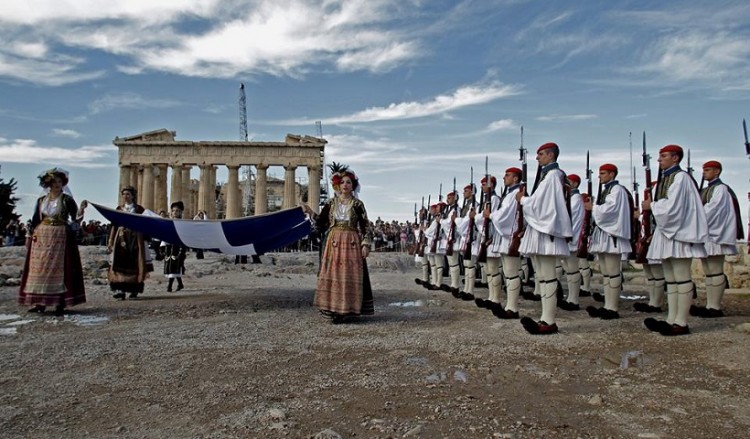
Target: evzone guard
(679, 236)
(548, 229)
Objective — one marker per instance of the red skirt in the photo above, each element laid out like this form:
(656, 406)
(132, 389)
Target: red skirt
(52, 272)
(343, 282)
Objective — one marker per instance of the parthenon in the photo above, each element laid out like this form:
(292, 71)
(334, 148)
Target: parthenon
(145, 160)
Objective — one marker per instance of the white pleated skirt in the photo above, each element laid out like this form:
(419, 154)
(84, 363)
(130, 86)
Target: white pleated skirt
(602, 242)
(535, 242)
(664, 248)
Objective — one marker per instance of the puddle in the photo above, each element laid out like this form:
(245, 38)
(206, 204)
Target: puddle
(632, 359)
(19, 322)
(6, 317)
(416, 303)
(633, 297)
(82, 320)
(8, 331)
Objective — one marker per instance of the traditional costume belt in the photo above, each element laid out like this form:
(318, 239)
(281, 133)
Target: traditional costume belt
(52, 221)
(343, 225)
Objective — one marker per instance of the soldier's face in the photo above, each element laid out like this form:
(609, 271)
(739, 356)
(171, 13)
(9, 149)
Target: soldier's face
(606, 176)
(710, 174)
(667, 160)
(545, 157)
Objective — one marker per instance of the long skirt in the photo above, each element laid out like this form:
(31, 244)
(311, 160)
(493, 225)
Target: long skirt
(129, 265)
(343, 282)
(52, 273)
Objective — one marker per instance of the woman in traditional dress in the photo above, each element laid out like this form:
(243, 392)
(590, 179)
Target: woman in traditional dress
(174, 254)
(343, 281)
(52, 273)
(129, 249)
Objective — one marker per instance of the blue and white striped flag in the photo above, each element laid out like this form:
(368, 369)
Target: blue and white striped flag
(253, 235)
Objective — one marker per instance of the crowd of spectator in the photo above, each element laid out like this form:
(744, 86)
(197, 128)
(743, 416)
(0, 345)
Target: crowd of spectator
(391, 236)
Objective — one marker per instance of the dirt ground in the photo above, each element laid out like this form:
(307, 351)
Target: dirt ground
(241, 353)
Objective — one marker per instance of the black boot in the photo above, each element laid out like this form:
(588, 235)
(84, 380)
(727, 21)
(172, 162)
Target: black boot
(179, 284)
(169, 284)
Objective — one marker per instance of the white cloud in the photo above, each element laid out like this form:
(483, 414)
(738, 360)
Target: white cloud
(720, 59)
(73, 134)
(53, 70)
(502, 125)
(465, 96)
(28, 151)
(277, 37)
(566, 117)
(128, 101)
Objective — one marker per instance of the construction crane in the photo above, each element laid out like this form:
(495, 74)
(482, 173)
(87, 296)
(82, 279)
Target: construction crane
(324, 189)
(247, 190)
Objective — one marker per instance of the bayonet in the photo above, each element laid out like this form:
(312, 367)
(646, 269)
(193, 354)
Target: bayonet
(747, 143)
(689, 167)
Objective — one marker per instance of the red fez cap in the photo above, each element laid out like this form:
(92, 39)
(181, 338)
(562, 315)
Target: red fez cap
(469, 187)
(493, 180)
(608, 167)
(712, 164)
(547, 146)
(433, 206)
(441, 203)
(574, 177)
(677, 149)
(514, 171)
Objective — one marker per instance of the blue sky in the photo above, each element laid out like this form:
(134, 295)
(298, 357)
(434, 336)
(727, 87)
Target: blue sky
(410, 93)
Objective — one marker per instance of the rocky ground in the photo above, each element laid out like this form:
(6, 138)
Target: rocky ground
(240, 353)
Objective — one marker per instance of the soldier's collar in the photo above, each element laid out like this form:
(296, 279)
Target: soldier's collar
(715, 181)
(610, 184)
(672, 170)
(550, 166)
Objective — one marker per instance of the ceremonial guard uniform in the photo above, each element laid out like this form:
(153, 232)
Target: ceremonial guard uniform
(485, 241)
(724, 229)
(450, 224)
(572, 264)
(421, 248)
(433, 252)
(679, 236)
(467, 229)
(504, 222)
(655, 283)
(610, 240)
(548, 230)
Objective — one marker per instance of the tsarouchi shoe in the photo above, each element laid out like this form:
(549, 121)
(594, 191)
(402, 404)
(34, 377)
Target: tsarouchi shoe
(568, 306)
(672, 330)
(538, 328)
(504, 314)
(655, 325)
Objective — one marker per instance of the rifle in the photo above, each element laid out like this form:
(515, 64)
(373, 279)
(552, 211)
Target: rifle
(466, 250)
(747, 152)
(520, 228)
(452, 229)
(436, 238)
(422, 241)
(635, 229)
(583, 239)
(644, 240)
(486, 239)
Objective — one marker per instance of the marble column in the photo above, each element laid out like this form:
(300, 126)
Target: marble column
(212, 194)
(147, 187)
(134, 175)
(203, 187)
(186, 195)
(233, 202)
(175, 193)
(160, 188)
(124, 177)
(261, 189)
(290, 199)
(313, 188)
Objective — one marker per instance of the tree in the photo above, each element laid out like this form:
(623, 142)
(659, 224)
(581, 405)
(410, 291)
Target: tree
(7, 203)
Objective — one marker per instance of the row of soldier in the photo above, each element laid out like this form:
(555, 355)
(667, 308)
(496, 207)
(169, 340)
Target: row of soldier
(555, 227)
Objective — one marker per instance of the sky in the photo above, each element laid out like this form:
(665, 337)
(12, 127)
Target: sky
(410, 93)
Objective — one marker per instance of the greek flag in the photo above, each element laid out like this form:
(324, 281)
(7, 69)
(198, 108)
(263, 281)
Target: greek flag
(254, 235)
